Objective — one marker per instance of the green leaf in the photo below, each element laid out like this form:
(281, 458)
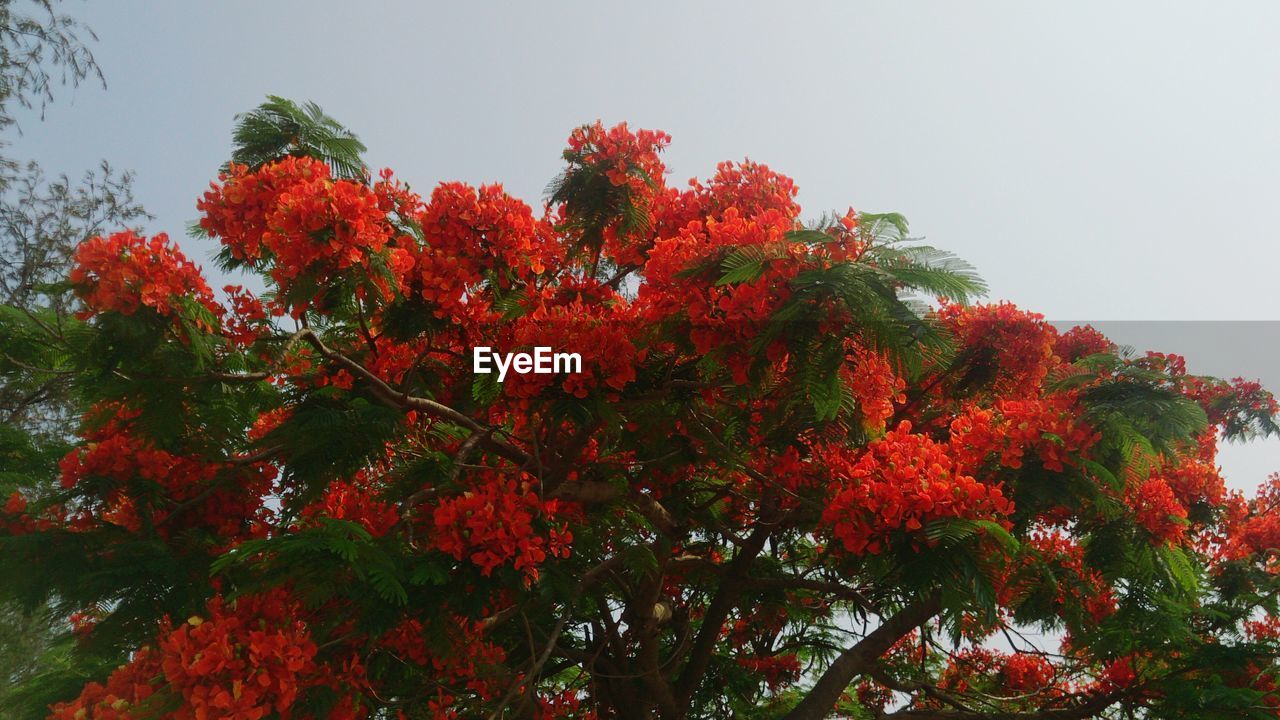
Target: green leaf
(1180, 569)
(485, 388)
(809, 236)
(952, 531)
(742, 265)
(881, 226)
(280, 127)
(383, 579)
(428, 573)
(827, 396)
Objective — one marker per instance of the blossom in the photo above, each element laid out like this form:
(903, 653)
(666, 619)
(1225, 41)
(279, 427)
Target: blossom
(492, 524)
(1017, 345)
(245, 660)
(1079, 342)
(1077, 586)
(875, 386)
(776, 670)
(1158, 510)
(1008, 430)
(355, 500)
(1014, 673)
(628, 161)
(904, 481)
(122, 471)
(246, 320)
(125, 272)
(293, 215)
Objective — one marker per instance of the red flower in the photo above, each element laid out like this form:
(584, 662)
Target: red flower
(903, 482)
(294, 215)
(125, 272)
(1158, 510)
(494, 523)
(1019, 345)
(245, 660)
(355, 501)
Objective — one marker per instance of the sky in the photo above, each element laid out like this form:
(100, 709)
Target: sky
(1096, 161)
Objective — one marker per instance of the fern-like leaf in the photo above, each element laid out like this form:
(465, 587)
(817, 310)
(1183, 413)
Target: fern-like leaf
(280, 127)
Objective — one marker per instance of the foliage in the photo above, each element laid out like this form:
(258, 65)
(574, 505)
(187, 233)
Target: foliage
(784, 484)
(42, 220)
(41, 223)
(281, 127)
(40, 49)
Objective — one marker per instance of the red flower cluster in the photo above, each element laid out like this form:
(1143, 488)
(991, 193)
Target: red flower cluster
(1005, 674)
(1079, 342)
(1049, 426)
(470, 662)
(123, 471)
(630, 163)
(14, 519)
(1023, 673)
(600, 332)
(472, 236)
(1019, 344)
(493, 524)
(721, 317)
(1117, 675)
(748, 188)
(776, 670)
(902, 482)
(126, 688)
(1077, 585)
(245, 661)
(1229, 404)
(1157, 510)
(294, 214)
(356, 501)
(1255, 530)
(627, 158)
(666, 273)
(125, 272)
(875, 386)
(1224, 401)
(1195, 479)
(246, 320)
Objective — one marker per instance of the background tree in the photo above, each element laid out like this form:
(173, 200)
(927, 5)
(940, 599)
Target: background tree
(40, 49)
(42, 220)
(783, 486)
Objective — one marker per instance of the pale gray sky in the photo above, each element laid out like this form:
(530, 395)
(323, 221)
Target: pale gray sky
(1095, 160)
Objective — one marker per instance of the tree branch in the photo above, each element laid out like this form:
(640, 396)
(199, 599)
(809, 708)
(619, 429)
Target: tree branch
(1088, 709)
(726, 598)
(862, 658)
(822, 586)
(404, 401)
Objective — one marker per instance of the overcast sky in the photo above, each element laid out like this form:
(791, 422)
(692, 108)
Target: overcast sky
(1095, 160)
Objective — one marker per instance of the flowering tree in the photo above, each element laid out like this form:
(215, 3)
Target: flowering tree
(782, 485)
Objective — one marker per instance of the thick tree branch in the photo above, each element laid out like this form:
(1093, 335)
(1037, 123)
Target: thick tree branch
(1088, 709)
(862, 658)
(642, 618)
(732, 585)
(655, 513)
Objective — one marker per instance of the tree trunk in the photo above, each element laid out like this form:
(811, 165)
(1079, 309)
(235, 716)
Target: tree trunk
(861, 658)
